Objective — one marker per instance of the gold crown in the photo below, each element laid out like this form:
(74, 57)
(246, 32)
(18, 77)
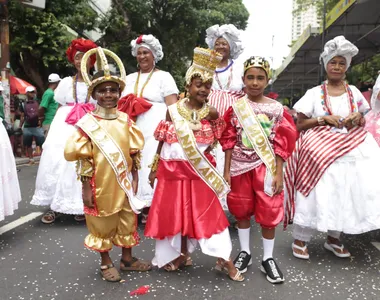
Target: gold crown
(102, 64)
(257, 62)
(204, 64)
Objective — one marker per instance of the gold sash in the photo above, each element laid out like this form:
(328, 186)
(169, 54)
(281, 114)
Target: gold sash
(258, 139)
(196, 158)
(114, 156)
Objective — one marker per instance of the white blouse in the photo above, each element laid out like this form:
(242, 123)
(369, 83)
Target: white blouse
(160, 85)
(63, 94)
(236, 71)
(310, 104)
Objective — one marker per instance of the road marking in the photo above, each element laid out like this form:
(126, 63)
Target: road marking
(19, 222)
(377, 245)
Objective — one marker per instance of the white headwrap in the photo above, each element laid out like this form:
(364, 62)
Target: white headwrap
(339, 46)
(228, 32)
(149, 42)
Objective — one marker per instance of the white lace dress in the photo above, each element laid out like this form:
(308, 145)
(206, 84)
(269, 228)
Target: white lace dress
(160, 85)
(347, 196)
(10, 194)
(56, 183)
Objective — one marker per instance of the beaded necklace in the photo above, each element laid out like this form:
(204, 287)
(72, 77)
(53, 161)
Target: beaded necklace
(229, 78)
(326, 103)
(75, 95)
(193, 116)
(146, 82)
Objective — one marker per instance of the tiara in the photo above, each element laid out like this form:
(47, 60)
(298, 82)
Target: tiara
(257, 62)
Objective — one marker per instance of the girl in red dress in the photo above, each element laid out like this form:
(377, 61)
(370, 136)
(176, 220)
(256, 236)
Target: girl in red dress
(259, 137)
(185, 209)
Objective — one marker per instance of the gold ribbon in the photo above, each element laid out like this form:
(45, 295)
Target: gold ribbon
(258, 139)
(196, 158)
(112, 152)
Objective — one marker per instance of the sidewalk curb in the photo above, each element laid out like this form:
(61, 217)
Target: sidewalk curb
(25, 160)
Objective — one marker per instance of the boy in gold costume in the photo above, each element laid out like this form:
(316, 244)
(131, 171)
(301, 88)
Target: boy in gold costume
(107, 148)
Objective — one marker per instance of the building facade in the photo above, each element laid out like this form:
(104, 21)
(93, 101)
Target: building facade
(303, 19)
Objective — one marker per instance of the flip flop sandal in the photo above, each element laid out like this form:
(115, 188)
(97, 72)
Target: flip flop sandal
(303, 249)
(238, 276)
(79, 218)
(334, 247)
(170, 267)
(50, 217)
(135, 265)
(221, 267)
(110, 273)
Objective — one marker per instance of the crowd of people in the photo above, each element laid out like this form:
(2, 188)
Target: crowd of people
(115, 146)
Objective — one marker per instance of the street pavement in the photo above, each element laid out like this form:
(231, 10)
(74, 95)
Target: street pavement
(40, 261)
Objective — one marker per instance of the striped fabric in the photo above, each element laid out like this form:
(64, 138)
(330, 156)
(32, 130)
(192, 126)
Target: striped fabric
(316, 149)
(222, 100)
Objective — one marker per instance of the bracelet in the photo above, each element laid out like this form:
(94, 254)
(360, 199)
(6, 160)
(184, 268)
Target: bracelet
(85, 179)
(154, 164)
(321, 121)
(136, 161)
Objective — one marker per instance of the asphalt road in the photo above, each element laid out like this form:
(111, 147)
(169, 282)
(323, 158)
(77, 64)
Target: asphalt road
(40, 261)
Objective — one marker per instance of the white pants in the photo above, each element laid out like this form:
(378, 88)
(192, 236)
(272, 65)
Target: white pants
(304, 234)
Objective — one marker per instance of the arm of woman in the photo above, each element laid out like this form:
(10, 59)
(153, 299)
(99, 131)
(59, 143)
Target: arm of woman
(171, 99)
(305, 123)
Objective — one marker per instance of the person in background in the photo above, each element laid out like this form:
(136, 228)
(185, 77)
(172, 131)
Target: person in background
(1, 102)
(48, 106)
(31, 123)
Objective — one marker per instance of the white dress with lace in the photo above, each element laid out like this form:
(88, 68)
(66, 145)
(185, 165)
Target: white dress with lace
(56, 183)
(10, 194)
(160, 85)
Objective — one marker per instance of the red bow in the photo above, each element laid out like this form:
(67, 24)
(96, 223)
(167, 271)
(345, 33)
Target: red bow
(139, 40)
(133, 106)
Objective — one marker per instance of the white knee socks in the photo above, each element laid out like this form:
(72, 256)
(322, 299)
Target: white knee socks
(268, 246)
(244, 239)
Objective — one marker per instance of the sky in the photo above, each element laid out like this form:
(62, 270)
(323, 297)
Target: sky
(268, 19)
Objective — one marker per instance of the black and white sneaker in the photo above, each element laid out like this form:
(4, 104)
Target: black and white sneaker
(242, 261)
(273, 272)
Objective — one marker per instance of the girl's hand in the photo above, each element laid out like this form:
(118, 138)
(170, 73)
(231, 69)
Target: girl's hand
(152, 178)
(277, 184)
(227, 177)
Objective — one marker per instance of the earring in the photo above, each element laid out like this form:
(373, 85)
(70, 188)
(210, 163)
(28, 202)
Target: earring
(138, 66)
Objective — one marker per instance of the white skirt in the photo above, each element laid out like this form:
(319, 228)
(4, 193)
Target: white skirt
(56, 183)
(147, 123)
(219, 245)
(220, 158)
(347, 197)
(10, 194)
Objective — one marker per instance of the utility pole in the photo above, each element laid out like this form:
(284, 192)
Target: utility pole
(323, 41)
(4, 57)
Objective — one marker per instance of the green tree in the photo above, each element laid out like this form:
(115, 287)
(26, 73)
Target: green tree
(179, 25)
(302, 5)
(39, 38)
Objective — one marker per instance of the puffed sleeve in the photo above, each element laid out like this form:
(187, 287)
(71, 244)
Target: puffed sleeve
(285, 138)
(64, 87)
(168, 87)
(136, 138)
(161, 130)
(229, 136)
(79, 148)
(306, 104)
(218, 126)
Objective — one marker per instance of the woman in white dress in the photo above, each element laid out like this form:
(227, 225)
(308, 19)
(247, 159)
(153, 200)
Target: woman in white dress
(159, 89)
(56, 184)
(10, 194)
(227, 85)
(329, 174)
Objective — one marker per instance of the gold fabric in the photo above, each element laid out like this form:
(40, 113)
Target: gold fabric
(109, 196)
(118, 229)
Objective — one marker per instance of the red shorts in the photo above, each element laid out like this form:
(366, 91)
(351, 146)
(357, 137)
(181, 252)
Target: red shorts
(247, 198)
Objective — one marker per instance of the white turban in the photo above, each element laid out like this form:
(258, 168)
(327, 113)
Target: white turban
(228, 32)
(339, 46)
(149, 42)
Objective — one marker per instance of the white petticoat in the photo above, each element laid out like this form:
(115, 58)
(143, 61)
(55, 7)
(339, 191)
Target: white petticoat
(10, 194)
(347, 197)
(219, 245)
(56, 183)
(147, 123)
